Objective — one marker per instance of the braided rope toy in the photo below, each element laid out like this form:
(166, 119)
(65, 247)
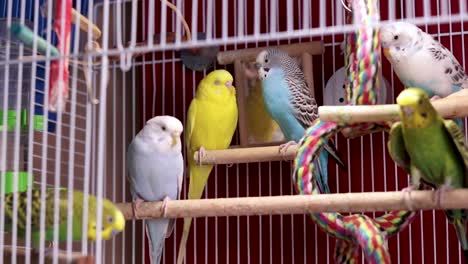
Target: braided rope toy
(362, 64)
(353, 232)
(357, 231)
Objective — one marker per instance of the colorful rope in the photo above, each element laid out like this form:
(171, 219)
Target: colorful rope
(354, 232)
(363, 63)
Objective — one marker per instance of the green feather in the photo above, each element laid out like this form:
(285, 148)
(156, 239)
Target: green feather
(112, 217)
(423, 141)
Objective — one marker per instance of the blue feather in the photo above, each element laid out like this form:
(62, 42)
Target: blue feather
(277, 97)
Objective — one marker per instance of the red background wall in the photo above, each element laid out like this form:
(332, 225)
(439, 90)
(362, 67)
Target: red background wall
(273, 178)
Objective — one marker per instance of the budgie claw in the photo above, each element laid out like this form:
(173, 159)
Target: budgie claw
(406, 199)
(440, 192)
(284, 147)
(230, 165)
(164, 205)
(136, 206)
(201, 154)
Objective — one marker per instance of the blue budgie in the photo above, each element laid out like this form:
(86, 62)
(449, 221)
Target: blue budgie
(421, 61)
(156, 167)
(287, 99)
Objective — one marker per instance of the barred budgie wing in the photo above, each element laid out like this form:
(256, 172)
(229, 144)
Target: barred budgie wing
(459, 141)
(306, 109)
(452, 67)
(35, 208)
(396, 147)
(304, 105)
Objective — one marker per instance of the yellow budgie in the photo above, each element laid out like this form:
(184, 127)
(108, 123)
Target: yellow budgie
(260, 125)
(211, 123)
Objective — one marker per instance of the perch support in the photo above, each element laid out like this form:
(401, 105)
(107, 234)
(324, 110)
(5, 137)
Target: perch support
(294, 50)
(85, 23)
(308, 69)
(449, 107)
(241, 95)
(82, 20)
(76, 258)
(245, 155)
(297, 204)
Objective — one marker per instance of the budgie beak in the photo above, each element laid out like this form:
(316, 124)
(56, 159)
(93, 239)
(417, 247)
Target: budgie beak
(386, 52)
(229, 85)
(407, 110)
(109, 229)
(116, 227)
(175, 139)
(119, 222)
(408, 102)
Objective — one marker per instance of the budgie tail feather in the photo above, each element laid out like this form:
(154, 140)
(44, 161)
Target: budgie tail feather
(156, 231)
(460, 228)
(198, 178)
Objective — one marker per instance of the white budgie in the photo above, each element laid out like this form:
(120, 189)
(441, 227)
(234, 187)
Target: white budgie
(156, 167)
(421, 61)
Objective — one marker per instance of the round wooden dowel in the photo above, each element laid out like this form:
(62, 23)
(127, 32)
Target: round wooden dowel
(297, 204)
(246, 155)
(453, 106)
(294, 50)
(84, 24)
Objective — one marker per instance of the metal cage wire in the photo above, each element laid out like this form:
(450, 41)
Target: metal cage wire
(84, 147)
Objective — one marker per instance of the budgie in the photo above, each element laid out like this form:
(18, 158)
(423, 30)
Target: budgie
(432, 150)
(113, 220)
(421, 61)
(261, 127)
(156, 168)
(211, 123)
(287, 99)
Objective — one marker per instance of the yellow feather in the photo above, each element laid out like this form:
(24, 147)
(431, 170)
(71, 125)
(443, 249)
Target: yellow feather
(211, 123)
(261, 127)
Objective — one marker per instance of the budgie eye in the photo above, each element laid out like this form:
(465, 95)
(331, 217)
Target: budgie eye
(266, 60)
(395, 37)
(424, 115)
(110, 219)
(217, 82)
(163, 128)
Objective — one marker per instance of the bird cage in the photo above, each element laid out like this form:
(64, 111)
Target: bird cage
(81, 79)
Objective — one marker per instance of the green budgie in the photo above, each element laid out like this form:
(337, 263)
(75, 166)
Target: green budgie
(431, 149)
(113, 220)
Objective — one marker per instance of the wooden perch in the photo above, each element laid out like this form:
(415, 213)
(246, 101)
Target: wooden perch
(297, 204)
(449, 107)
(294, 50)
(84, 22)
(76, 258)
(246, 155)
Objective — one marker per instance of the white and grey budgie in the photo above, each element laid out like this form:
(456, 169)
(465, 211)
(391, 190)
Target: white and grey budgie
(156, 167)
(421, 61)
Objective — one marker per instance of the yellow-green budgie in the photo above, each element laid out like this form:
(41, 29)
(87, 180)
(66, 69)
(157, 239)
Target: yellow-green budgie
(113, 220)
(211, 123)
